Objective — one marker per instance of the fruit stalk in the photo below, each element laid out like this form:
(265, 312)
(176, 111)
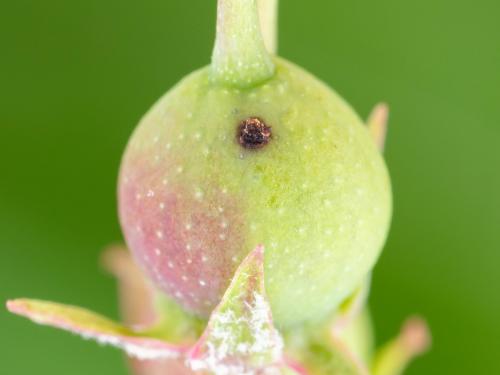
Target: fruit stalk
(240, 57)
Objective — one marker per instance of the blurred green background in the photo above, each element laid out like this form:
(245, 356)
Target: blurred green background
(75, 77)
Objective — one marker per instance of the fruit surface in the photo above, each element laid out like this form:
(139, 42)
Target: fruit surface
(195, 199)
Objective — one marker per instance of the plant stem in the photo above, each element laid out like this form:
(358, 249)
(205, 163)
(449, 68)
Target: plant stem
(239, 57)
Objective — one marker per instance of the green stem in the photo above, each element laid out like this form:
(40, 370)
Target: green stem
(268, 14)
(239, 57)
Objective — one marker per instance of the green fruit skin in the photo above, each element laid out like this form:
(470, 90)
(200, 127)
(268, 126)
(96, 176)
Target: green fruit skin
(318, 196)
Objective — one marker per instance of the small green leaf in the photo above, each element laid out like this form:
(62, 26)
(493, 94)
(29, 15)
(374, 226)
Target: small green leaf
(377, 124)
(394, 357)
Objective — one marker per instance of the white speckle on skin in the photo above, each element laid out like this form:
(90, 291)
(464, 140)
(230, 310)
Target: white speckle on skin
(157, 251)
(189, 261)
(156, 139)
(150, 193)
(179, 169)
(138, 196)
(338, 180)
(170, 265)
(222, 236)
(204, 258)
(164, 181)
(162, 206)
(197, 136)
(188, 226)
(202, 283)
(234, 259)
(224, 224)
(188, 247)
(184, 278)
(181, 136)
(168, 146)
(159, 234)
(179, 295)
(198, 195)
(301, 269)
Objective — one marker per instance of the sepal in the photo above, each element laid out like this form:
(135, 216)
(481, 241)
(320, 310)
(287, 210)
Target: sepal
(90, 325)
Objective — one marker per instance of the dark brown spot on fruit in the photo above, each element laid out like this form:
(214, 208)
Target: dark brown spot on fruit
(253, 133)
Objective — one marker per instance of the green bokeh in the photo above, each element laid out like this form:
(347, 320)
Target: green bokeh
(75, 77)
